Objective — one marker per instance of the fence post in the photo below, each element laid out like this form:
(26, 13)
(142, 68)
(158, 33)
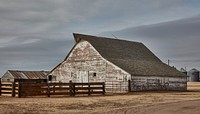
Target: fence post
(13, 89)
(70, 88)
(89, 89)
(0, 86)
(129, 85)
(48, 89)
(112, 87)
(19, 89)
(74, 89)
(54, 89)
(120, 85)
(103, 88)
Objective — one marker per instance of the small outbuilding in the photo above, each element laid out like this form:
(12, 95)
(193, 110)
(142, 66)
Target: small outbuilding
(100, 59)
(11, 75)
(183, 71)
(193, 75)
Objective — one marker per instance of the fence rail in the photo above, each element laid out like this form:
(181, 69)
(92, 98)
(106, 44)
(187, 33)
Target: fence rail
(25, 88)
(48, 89)
(8, 88)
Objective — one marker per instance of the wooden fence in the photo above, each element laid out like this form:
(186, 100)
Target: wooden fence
(8, 88)
(193, 86)
(26, 88)
(49, 89)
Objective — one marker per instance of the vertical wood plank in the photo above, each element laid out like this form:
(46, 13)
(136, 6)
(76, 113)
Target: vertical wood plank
(74, 89)
(89, 89)
(19, 89)
(103, 84)
(129, 85)
(48, 90)
(0, 86)
(13, 88)
(53, 88)
(70, 88)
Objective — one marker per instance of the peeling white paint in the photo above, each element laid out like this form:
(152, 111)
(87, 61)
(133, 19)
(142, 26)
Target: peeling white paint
(7, 77)
(143, 83)
(84, 57)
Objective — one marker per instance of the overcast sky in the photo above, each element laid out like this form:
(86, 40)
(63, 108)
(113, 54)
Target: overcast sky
(37, 34)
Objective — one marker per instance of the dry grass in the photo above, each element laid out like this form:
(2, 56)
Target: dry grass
(94, 104)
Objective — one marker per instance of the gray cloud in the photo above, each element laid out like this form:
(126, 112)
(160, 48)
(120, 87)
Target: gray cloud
(176, 40)
(41, 55)
(33, 16)
(37, 34)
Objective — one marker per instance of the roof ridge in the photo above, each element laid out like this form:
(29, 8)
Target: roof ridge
(131, 59)
(120, 39)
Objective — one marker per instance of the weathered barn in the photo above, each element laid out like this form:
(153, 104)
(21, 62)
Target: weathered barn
(97, 59)
(11, 75)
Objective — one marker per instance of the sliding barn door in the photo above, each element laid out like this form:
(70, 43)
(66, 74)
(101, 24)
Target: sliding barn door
(82, 76)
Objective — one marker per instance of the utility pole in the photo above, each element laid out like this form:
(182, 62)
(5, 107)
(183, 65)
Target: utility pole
(168, 61)
(115, 36)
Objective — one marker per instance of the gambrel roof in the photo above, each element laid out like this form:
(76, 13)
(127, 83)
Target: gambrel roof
(133, 57)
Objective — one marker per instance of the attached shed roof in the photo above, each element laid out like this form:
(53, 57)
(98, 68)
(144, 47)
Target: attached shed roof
(29, 74)
(133, 57)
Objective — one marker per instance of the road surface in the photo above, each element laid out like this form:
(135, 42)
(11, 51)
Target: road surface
(183, 107)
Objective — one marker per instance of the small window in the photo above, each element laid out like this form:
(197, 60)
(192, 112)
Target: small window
(50, 77)
(94, 74)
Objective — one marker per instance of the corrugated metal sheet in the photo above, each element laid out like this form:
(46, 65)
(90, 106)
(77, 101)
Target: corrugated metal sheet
(29, 74)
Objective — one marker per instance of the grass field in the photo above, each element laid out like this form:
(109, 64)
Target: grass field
(95, 104)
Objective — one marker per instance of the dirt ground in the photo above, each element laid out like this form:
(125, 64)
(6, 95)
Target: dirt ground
(182, 107)
(135, 102)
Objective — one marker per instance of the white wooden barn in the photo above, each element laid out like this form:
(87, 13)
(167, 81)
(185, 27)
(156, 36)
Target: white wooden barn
(100, 59)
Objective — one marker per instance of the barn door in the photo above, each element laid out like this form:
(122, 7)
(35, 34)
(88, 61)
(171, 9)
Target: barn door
(82, 76)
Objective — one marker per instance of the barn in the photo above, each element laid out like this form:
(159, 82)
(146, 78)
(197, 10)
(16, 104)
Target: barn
(100, 59)
(11, 75)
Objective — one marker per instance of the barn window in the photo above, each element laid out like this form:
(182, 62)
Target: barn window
(94, 74)
(50, 77)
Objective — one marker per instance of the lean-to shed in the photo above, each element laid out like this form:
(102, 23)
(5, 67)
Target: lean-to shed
(100, 59)
(10, 75)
